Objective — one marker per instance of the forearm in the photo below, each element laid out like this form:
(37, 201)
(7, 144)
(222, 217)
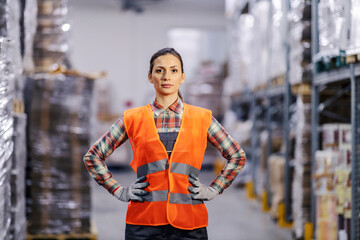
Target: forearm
(231, 151)
(94, 159)
(229, 172)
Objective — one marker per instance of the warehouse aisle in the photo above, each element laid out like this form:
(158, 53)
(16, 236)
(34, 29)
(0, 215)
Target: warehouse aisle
(231, 216)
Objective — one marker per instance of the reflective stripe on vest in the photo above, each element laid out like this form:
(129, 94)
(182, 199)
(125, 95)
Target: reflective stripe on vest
(179, 198)
(152, 167)
(161, 165)
(184, 168)
(156, 196)
(182, 198)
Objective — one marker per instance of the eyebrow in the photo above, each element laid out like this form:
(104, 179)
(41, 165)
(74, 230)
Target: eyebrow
(175, 66)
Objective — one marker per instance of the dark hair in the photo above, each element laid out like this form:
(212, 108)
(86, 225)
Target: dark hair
(162, 52)
(165, 51)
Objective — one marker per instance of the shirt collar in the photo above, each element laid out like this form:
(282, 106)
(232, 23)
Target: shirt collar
(176, 107)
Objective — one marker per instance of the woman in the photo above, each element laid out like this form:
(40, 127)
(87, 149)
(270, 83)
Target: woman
(168, 139)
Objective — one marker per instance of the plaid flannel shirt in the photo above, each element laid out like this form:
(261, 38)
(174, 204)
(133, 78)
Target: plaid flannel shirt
(166, 120)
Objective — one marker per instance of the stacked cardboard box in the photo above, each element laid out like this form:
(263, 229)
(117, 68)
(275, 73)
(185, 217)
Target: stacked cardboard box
(58, 184)
(333, 182)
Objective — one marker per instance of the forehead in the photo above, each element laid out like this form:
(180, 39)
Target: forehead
(167, 60)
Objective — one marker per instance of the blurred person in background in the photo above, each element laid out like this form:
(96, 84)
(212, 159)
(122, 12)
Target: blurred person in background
(168, 138)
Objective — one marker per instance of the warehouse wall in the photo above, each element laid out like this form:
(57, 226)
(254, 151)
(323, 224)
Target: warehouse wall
(121, 43)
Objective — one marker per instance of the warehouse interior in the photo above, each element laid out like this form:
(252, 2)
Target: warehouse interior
(282, 77)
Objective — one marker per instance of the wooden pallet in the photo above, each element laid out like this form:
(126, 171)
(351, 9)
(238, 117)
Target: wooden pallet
(278, 81)
(260, 87)
(68, 236)
(301, 89)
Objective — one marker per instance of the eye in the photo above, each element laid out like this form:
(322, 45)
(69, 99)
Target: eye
(158, 70)
(174, 70)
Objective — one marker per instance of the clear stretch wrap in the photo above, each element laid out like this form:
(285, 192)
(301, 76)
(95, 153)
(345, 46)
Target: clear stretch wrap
(52, 36)
(59, 113)
(6, 132)
(10, 29)
(245, 44)
(259, 56)
(354, 42)
(29, 28)
(300, 41)
(10, 72)
(301, 194)
(18, 217)
(332, 27)
(278, 47)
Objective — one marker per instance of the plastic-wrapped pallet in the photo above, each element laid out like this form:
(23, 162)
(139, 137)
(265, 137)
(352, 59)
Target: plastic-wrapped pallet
(52, 37)
(259, 57)
(6, 132)
(245, 39)
(354, 43)
(301, 194)
(300, 41)
(240, 42)
(29, 30)
(278, 48)
(332, 28)
(18, 217)
(326, 212)
(60, 114)
(207, 90)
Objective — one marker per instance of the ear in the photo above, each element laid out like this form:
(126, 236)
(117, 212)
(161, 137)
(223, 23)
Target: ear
(150, 79)
(182, 78)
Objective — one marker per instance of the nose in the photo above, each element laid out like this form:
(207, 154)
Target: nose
(166, 76)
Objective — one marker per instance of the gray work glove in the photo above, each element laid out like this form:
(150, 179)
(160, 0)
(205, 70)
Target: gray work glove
(200, 191)
(133, 192)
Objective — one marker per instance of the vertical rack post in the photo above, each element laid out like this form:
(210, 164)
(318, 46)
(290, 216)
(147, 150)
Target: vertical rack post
(268, 116)
(287, 93)
(314, 103)
(254, 143)
(355, 165)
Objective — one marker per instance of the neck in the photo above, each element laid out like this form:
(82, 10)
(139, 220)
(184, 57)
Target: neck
(166, 101)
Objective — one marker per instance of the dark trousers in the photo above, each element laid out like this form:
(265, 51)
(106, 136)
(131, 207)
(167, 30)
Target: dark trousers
(166, 232)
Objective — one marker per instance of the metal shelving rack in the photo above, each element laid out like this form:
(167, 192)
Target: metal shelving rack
(351, 75)
(262, 112)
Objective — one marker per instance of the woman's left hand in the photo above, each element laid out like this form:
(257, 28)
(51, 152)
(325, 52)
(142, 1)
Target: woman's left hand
(200, 191)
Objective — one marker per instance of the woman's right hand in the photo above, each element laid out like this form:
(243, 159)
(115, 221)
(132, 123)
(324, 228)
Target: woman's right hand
(134, 192)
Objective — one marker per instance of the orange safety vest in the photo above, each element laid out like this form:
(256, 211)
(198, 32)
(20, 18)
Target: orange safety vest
(168, 201)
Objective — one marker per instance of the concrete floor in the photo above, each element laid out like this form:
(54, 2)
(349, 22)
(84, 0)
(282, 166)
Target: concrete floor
(232, 216)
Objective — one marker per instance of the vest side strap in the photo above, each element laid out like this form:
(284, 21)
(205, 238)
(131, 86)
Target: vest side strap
(152, 167)
(184, 168)
(181, 198)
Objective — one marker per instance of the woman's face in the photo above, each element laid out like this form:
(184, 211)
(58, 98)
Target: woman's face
(166, 75)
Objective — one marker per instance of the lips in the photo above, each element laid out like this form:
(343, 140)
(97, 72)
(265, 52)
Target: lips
(166, 85)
